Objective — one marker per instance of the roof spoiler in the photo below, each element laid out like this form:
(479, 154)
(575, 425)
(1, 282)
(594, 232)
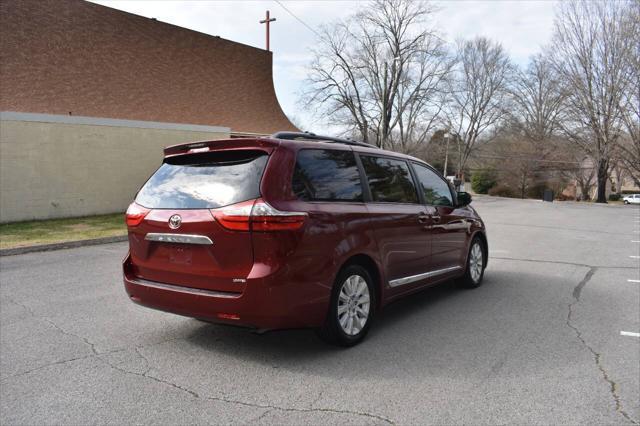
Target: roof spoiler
(204, 146)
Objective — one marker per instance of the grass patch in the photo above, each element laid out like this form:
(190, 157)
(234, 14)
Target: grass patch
(20, 234)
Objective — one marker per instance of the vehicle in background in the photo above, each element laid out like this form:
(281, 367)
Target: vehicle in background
(296, 230)
(631, 199)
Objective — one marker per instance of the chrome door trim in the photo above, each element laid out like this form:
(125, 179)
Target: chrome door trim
(414, 278)
(179, 238)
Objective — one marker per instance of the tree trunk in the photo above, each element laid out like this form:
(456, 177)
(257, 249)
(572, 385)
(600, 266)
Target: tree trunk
(603, 176)
(585, 189)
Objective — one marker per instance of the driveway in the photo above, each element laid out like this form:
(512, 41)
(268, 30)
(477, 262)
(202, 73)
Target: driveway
(542, 341)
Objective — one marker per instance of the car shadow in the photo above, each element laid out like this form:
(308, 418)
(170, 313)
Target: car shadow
(299, 347)
(440, 332)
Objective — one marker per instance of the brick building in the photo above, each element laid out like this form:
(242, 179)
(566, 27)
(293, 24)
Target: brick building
(79, 58)
(90, 95)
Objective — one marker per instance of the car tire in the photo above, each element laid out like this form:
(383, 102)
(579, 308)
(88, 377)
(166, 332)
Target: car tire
(351, 308)
(626, 202)
(476, 262)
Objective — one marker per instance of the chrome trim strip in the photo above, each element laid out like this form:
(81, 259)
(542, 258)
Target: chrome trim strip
(181, 289)
(179, 238)
(414, 278)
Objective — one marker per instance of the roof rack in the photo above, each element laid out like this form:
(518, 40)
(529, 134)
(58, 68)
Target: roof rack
(308, 136)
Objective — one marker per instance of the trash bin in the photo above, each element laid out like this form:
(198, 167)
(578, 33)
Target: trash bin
(547, 195)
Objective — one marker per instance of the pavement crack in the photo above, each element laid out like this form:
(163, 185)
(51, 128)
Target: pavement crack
(145, 374)
(559, 262)
(56, 326)
(60, 362)
(304, 410)
(613, 387)
(225, 399)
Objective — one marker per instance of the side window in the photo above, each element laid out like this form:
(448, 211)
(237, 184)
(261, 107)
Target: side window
(326, 175)
(435, 189)
(390, 180)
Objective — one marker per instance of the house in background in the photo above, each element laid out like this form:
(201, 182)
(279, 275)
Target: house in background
(90, 95)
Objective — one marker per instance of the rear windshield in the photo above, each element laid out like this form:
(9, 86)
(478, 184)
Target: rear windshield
(204, 180)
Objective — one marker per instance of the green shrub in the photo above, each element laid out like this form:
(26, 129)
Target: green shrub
(483, 180)
(614, 197)
(502, 191)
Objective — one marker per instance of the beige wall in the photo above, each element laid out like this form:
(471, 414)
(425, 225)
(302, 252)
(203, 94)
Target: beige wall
(57, 166)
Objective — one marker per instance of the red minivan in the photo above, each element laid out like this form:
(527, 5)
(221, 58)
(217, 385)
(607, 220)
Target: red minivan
(296, 230)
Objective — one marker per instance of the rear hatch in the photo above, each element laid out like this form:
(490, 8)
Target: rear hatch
(182, 229)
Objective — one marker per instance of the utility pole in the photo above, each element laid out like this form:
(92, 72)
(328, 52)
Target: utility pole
(446, 154)
(267, 21)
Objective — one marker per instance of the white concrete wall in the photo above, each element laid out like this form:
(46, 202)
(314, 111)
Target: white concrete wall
(54, 166)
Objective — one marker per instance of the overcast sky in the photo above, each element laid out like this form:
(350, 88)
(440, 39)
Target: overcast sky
(521, 26)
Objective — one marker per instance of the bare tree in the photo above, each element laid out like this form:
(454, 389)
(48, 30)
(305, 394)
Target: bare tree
(478, 92)
(378, 73)
(590, 52)
(629, 145)
(538, 100)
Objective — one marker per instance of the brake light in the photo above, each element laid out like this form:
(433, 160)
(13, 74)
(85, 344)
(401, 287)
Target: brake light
(266, 218)
(234, 217)
(257, 215)
(135, 214)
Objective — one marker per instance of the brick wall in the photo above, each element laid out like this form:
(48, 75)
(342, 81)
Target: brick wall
(72, 57)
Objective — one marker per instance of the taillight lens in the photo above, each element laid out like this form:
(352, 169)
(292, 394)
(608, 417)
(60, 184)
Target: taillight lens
(135, 214)
(266, 218)
(234, 217)
(259, 216)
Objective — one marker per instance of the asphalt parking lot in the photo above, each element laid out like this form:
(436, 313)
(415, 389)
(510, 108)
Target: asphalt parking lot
(542, 341)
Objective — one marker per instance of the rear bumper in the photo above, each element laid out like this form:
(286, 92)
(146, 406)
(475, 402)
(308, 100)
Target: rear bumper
(261, 305)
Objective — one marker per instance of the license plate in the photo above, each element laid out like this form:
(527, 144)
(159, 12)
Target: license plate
(180, 255)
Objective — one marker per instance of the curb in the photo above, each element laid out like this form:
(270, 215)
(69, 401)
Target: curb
(61, 246)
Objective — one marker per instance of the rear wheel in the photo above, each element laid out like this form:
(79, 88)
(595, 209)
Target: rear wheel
(351, 307)
(475, 265)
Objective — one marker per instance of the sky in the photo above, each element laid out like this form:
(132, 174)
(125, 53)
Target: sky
(522, 27)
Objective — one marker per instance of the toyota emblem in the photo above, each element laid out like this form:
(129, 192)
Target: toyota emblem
(175, 221)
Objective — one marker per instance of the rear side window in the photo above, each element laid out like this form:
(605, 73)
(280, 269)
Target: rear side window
(390, 180)
(204, 180)
(436, 191)
(326, 175)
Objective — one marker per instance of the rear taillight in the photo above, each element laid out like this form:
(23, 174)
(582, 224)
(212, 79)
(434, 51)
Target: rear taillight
(259, 216)
(135, 214)
(266, 218)
(234, 217)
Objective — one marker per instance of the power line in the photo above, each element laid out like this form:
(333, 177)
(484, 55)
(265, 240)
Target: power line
(298, 19)
(514, 157)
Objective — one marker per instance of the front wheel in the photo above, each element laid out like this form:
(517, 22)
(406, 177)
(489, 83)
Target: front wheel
(351, 307)
(475, 265)
(626, 202)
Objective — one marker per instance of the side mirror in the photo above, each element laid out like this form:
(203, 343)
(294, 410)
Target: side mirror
(464, 199)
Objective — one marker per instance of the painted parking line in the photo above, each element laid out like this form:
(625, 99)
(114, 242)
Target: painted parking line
(633, 281)
(634, 241)
(629, 333)
(635, 257)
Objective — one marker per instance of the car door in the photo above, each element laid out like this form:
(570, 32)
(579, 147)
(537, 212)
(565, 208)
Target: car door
(448, 227)
(397, 218)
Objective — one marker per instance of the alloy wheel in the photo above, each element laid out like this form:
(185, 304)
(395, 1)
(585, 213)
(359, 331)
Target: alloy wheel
(353, 305)
(476, 262)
